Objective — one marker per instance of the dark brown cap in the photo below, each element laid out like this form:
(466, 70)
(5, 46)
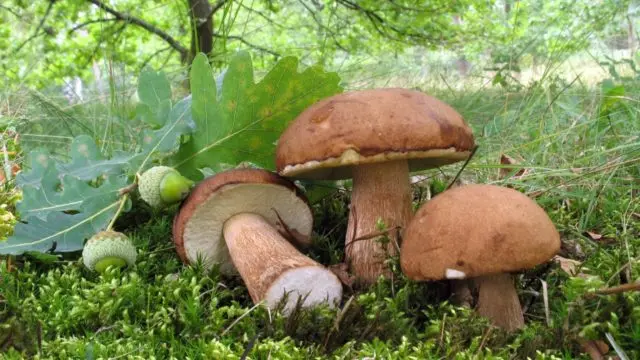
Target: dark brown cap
(476, 230)
(372, 126)
(198, 226)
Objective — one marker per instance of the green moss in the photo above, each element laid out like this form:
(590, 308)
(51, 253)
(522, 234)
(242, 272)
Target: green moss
(581, 170)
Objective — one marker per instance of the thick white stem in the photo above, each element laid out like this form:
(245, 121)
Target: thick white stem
(498, 301)
(380, 191)
(271, 267)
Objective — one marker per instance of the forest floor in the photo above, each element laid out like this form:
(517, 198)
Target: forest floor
(577, 153)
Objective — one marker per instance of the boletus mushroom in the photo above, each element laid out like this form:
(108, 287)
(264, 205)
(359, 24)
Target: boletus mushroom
(376, 137)
(243, 220)
(483, 233)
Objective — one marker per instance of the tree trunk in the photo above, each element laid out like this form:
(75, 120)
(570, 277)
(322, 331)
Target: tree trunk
(201, 16)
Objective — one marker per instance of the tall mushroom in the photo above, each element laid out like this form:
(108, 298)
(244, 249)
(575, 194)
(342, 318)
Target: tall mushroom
(377, 137)
(483, 233)
(243, 220)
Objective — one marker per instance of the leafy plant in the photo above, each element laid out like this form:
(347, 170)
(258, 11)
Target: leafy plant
(246, 119)
(66, 202)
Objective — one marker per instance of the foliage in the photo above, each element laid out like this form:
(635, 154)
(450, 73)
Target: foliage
(577, 151)
(244, 121)
(64, 203)
(79, 38)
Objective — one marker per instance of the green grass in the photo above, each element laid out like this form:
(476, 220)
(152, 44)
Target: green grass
(583, 167)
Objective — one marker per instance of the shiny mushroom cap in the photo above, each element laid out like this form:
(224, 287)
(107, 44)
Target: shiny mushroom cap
(198, 226)
(372, 126)
(477, 230)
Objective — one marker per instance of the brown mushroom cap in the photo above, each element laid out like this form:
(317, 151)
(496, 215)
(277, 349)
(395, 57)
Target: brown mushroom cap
(477, 230)
(198, 226)
(372, 126)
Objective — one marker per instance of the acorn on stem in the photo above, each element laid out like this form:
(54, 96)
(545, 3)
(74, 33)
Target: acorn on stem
(162, 185)
(108, 248)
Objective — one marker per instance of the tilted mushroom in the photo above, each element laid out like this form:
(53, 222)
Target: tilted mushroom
(377, 137)
(483, 233)
(242, 220)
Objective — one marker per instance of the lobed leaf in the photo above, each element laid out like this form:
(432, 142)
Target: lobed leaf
(64, 231)
(154, 92)
(243, 122)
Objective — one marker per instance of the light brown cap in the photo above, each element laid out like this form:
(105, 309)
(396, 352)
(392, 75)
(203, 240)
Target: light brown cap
(371, 126)
(198, 226)
(476, 230)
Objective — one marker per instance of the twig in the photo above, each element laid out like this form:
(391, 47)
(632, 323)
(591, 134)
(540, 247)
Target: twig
(242, 40)
(37, 32)
(143, 24)
(123, 201)
(127, 189)
(150, 57)
(11, 11)
(635, 286)
(466, 162)
(371, 235)
(217, 6)
(80, 26)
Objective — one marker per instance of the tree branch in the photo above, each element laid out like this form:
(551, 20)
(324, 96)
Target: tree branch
(217, 6)
(327, 29)
(143, 24)
(11, 11)
(244, 41)
(37, 32)
(79, 26)
(150, 57)
(380, 24)
(264, 16)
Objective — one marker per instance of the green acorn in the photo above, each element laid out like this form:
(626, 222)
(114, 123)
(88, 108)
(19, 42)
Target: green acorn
(108, 248)
(162, 185)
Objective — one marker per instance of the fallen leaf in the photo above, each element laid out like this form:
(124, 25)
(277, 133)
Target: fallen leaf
(341, 271)
(602, 239)
(596, 349)
(535, 194)
(508, 160)
(568, 265)
(594, 235)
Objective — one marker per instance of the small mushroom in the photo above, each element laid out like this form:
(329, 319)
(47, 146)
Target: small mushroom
(483, 233)
(108, 248)
(243, 220)
(376, 137)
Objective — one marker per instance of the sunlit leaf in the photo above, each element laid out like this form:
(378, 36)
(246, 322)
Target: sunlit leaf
(243, 122)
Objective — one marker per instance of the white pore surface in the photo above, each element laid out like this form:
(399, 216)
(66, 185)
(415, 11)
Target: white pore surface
(318, 284)
(203, 235)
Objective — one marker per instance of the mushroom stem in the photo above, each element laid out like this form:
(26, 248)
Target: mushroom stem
(380, 191)
(271, 267)
(498, 301)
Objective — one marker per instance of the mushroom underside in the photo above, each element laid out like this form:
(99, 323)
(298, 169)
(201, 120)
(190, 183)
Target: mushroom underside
(203, 233)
